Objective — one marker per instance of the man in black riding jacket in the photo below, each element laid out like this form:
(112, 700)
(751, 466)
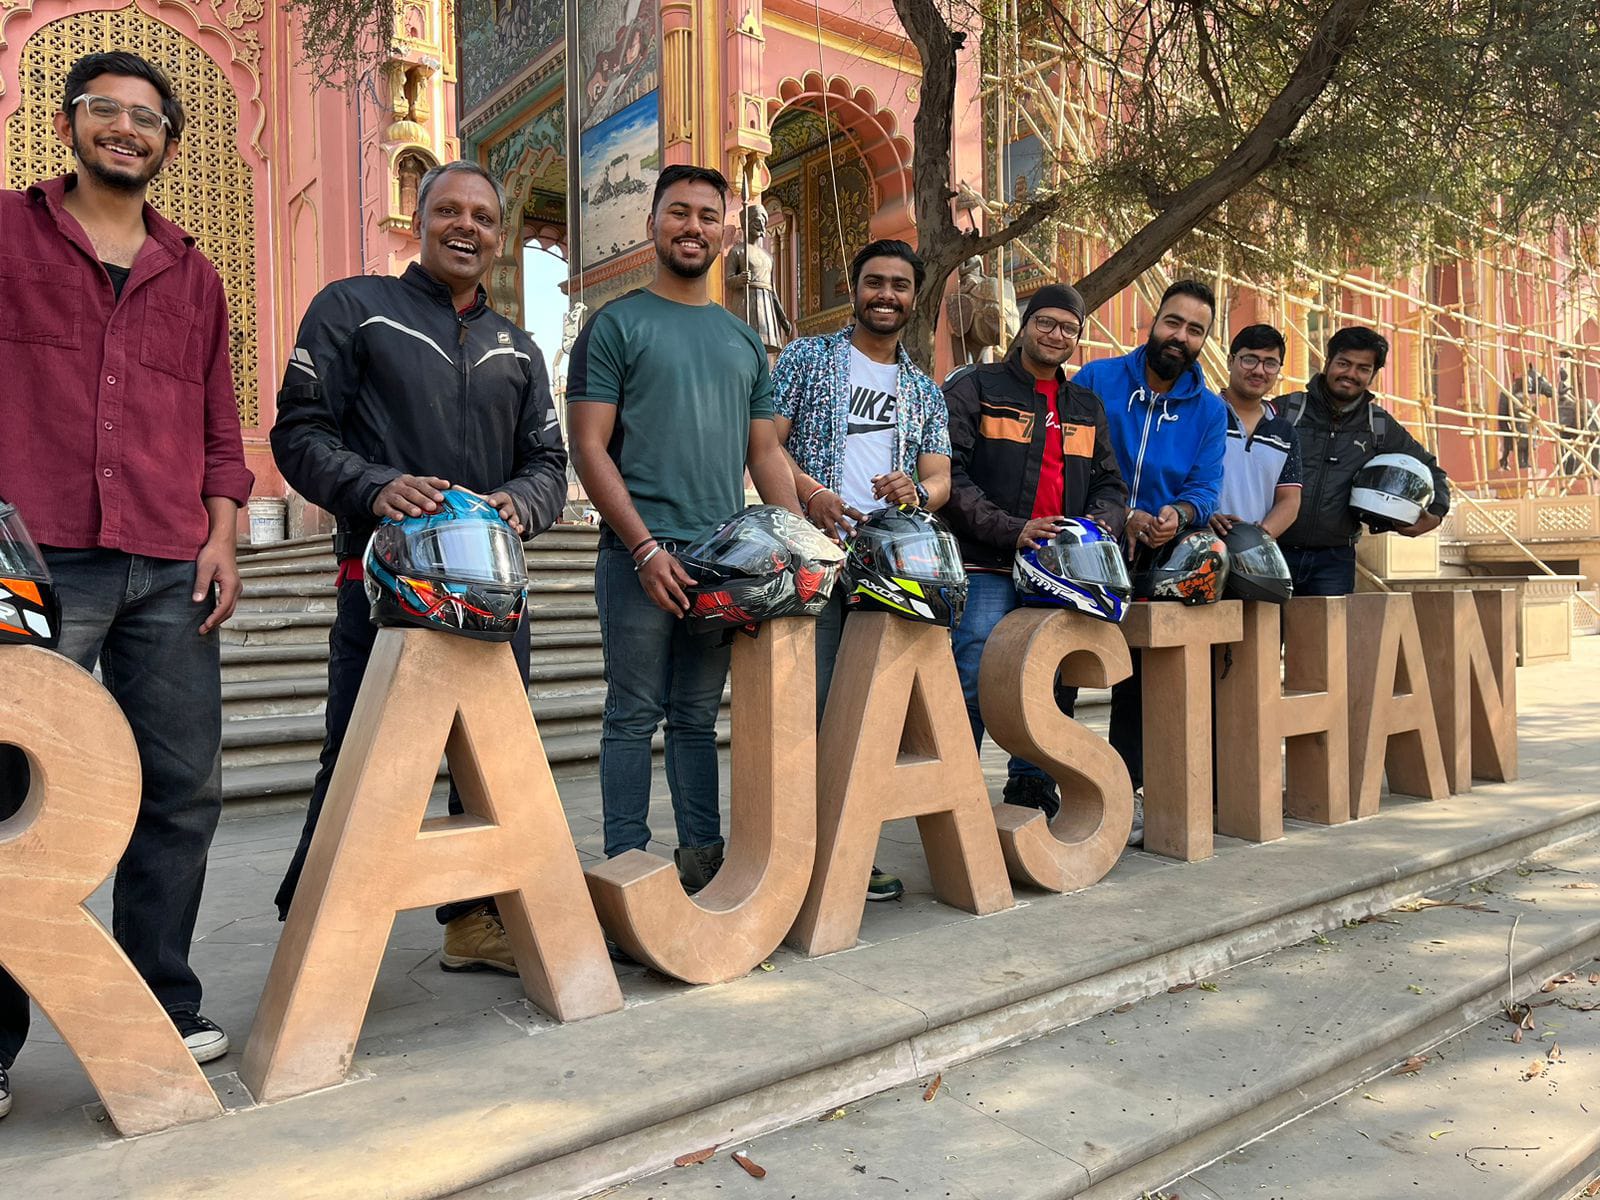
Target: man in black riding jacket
(1341, 427)
(397, 389)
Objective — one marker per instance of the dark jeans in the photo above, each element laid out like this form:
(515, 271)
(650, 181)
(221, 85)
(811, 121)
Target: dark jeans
(989, 598)
(830, 628)
(350, 643)
(656, 671)
(1322, 570)
(134, 616)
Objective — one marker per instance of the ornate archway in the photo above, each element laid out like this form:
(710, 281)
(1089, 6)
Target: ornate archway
(209, 190)
(874, 129)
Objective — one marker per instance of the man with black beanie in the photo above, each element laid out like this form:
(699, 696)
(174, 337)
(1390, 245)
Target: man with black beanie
(1028, 449)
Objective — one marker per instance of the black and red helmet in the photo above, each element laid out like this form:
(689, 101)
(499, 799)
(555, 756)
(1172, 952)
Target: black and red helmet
(30, 609)
(1192, 569)
(764, 562)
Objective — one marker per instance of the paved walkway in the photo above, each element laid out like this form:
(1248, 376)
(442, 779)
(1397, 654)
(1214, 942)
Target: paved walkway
(418, 1010)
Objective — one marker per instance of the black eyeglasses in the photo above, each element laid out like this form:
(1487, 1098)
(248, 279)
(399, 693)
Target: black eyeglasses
(1050, 325)
(1251, 361)
(107, 110)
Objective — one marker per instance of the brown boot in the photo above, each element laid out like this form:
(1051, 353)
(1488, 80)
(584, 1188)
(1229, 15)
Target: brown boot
(476, 941)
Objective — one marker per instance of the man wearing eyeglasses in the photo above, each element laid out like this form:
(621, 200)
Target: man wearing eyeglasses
(1261, 466)
(121, 448)
(1341, 426)
(1029, 447)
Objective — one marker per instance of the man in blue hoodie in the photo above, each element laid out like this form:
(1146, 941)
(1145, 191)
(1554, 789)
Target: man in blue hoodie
(1170, 432)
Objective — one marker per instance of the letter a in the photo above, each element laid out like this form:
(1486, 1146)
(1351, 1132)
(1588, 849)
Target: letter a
(1016, 686)
(426, 693)
(71, 830)
(739, 919)
(895, 743)
(1391, 705)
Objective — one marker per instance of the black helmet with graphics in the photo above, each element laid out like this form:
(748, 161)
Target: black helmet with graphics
(762, 563)
(906, 561)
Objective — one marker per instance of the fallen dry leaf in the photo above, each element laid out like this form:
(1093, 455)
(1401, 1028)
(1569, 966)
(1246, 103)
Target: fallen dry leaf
(1585, 886)
(1208, 986)
(1594, 978)
(695, 1159)
(1439, 1133)
(766, 966)
(1122, 1008)
(1553, 984)
(1370, 1096)
(1411, 1065)
(1554, 1054)
(1516, 1036)
(1534, 1069)
(1593, 1189)
(752, 1169)
(837, 1114)
(1180, 987)
(933, 1088)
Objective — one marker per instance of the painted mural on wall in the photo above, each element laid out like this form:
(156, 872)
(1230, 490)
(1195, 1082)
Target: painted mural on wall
(531, 162)
(500, 39)
(614, 71)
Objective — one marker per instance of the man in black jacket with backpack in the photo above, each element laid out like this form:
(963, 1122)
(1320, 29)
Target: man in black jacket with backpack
(1028, 449)
(1341, 427)
(397, 389)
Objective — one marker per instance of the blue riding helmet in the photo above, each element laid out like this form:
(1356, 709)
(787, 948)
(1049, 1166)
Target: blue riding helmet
(1080, 569)
(460, 570)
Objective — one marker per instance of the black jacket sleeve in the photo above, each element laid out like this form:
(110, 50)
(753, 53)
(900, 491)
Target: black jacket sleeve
(1107, 503)
(1400, 441)
(322, 378)
(539, 487)
(970, 513)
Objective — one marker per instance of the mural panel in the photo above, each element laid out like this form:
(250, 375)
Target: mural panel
(531, 162)
(500, 39)
(620, 162)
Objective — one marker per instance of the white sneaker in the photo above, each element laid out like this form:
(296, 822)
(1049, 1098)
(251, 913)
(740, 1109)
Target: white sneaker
(205, 1039)
(1136, 834)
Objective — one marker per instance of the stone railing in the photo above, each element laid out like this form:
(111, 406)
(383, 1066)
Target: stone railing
(1549, 519)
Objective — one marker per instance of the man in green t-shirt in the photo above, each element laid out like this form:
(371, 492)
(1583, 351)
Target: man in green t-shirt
(670, 401)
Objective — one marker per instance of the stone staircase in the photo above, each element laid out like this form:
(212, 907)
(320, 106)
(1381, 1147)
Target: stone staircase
(275, 655)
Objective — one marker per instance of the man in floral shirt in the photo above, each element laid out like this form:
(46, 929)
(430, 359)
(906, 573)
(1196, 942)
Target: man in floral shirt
(865, 427)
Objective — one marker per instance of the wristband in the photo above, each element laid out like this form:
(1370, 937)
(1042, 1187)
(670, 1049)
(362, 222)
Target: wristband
(655, 550)
(642, 543)
(806, 507)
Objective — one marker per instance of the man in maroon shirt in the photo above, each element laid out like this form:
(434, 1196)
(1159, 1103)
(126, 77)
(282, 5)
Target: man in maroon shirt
(122, 452)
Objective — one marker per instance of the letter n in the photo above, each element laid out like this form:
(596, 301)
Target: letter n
(1016, 686)
(72, 828)
(426, 693)
(1470, 642)
(896, 743)
(1392, 726)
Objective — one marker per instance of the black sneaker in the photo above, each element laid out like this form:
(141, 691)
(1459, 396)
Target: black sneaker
(5, 1093)
(883, 886)
(1033, 791)
(204, 1038)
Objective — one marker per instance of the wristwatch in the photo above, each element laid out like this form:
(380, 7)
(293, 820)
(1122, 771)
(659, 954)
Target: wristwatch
(922, 495)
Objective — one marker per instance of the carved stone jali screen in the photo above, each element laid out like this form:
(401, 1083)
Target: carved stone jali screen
(208, 190)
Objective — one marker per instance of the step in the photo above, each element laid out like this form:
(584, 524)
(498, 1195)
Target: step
(1104, 1109)
(552, 625)
(285, 694)
(1470, 1125)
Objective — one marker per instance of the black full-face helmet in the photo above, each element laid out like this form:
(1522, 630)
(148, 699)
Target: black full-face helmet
(460, 570)
(1193, 569)
(906, 561)
(1391, 491)
(764, 562)
(30, 609)
(1256, 567)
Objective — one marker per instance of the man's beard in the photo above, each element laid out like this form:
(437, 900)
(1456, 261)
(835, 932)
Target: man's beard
(899, 320)
(136, 182)
(680, 268)
(1168, 358)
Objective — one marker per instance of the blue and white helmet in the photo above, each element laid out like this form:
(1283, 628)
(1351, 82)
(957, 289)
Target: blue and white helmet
(1081, 569)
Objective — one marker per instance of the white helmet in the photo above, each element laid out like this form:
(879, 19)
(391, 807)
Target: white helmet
(1391, 491)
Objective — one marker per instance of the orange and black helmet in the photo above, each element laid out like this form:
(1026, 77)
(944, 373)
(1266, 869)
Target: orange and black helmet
(30, 610)
(1193, 569)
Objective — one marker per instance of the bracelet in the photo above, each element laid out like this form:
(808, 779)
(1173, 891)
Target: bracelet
(639, 566)
(643, 542)
(806, 507)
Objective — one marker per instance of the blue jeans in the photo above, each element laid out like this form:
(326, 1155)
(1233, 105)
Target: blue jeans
(134, 616)
(350, 644)
(989, 598)
(1322, 570)
(655, 671)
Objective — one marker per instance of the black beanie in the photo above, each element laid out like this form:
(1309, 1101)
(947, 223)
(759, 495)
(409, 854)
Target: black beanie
(1056, 295)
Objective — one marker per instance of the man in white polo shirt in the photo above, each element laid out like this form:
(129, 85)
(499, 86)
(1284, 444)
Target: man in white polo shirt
(1261, 463)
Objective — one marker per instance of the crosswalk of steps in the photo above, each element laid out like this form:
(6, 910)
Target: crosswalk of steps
(275, 661)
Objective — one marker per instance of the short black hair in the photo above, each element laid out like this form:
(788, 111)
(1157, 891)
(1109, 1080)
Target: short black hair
(1258, 337)
(121, 62)
(1359, 338)
(1194, 289)
(888, 248)
(688, 173)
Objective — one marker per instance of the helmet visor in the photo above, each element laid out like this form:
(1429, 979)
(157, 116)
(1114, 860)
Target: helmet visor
(1397, 481)
(468, 552)
(740, 548)
(924, 554)
(1084, 562)
(19, 556)
(1263, 561)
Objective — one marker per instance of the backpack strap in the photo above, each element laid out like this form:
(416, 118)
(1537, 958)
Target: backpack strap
(1379, 421)
(1293, 406)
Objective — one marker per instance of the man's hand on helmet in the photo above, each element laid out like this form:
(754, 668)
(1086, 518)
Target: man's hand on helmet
(410, 496)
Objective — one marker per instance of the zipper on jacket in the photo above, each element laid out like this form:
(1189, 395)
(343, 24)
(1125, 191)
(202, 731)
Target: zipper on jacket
(1138, 463)
(466, 380)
